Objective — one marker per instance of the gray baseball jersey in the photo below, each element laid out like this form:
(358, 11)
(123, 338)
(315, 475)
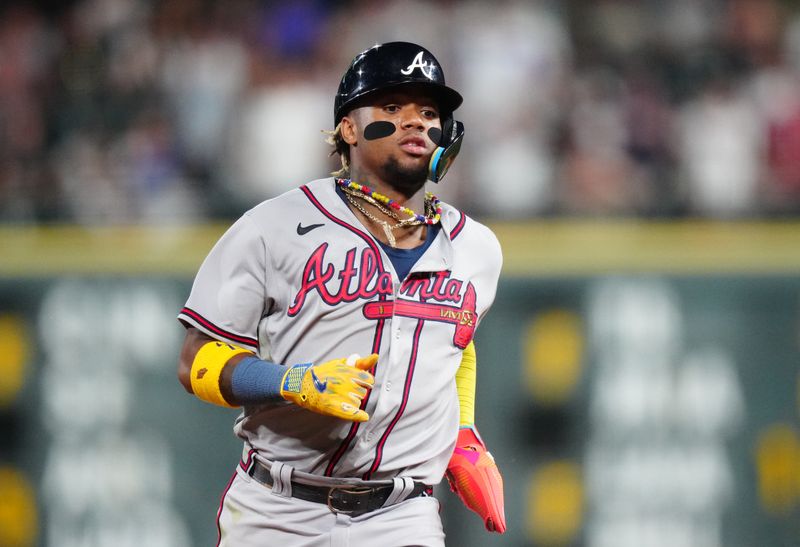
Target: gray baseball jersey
(300, 275)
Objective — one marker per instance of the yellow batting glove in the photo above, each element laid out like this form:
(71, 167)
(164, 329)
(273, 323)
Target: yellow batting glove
(334, 388)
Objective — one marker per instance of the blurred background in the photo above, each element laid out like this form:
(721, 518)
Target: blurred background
(639, 161)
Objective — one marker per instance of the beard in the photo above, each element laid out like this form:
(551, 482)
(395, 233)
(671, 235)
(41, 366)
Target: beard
(406, 180)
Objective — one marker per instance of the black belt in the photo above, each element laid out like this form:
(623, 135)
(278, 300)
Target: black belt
(347, 499)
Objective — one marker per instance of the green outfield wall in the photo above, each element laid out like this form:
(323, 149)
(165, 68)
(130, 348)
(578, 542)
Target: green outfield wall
(638, 385)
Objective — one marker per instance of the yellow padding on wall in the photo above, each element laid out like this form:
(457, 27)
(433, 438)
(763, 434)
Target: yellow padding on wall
(465, 384)
(18, 515)
(778, 468)
(554, 346)
(555, 503)
(207, 368)
(15, 350)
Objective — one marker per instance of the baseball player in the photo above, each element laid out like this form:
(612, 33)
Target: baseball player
(367, 290)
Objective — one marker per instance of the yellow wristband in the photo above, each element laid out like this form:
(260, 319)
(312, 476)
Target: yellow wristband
(465, 385)
(207, 368)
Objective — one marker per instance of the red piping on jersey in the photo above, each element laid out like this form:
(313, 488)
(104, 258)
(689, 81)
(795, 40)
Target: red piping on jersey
(366, 237)
(406, 391)
(458, 227)
(219, 509)
(376, 342)
(376, 346)
(188, 312)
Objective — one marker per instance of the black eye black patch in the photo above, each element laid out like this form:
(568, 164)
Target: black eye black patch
(379, 130)
(436, 135)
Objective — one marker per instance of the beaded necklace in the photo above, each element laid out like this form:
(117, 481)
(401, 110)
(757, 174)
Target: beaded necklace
(433, 207)
(388, 206)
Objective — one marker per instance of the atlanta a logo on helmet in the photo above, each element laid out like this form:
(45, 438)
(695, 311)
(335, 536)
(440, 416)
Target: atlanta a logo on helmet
(425, 67)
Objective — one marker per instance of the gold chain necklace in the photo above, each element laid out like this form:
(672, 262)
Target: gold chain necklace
(369, 199)
(387, 228)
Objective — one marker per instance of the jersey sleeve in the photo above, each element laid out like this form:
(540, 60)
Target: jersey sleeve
(228, 297)
(492, 255)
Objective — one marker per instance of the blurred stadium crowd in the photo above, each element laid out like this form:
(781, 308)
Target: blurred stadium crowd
(123, 111)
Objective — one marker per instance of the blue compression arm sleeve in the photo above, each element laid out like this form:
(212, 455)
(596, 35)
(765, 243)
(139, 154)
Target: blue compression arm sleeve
(255, 381)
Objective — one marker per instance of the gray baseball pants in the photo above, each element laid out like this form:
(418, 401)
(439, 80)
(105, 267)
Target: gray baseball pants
(254, 515)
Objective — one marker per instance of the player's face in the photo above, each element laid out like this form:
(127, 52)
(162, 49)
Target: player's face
(392, 140)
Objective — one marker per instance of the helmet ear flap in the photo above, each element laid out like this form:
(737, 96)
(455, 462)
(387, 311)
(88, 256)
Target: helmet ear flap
(449, 146)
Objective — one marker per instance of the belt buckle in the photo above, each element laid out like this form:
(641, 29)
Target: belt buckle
(334, 500)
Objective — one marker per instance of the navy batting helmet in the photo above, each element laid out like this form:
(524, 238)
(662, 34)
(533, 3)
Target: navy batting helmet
(390, 65)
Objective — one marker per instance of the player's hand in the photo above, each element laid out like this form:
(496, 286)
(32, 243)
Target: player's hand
(473, 475)
(334, 388)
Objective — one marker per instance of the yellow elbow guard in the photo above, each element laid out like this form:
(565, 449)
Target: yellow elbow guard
(207, 368)
(465, 385)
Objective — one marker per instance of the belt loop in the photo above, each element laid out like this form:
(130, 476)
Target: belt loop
(248, 461)
(401, 489)
(281, 479)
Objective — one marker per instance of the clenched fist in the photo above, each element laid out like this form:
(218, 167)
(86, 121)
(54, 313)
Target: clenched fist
(334, 388)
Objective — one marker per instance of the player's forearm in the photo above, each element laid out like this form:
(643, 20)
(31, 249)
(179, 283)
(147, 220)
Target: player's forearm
(192, 342)
(230, 376)
(249, 380)
(211, 370)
